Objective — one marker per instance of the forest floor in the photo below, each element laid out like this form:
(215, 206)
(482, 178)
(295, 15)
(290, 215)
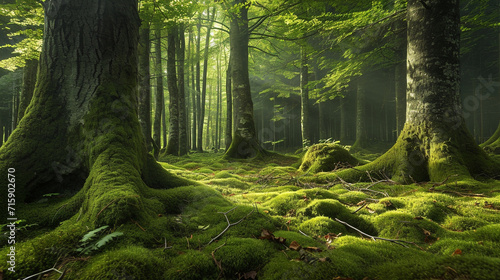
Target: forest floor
(253, 219)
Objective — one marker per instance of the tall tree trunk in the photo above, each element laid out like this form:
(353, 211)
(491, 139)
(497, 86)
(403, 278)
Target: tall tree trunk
(198, 86)
(343, 120)
(183, 129)
(218, 107)
(173, 131)
(304, 99)
(81, 131)
(229, 107)
(193, 90)
(159, 93)
(400, 90)
(435, 143)
(201, 113)
(29, 81)
(145, 86)
(244, 140)
(361, 115)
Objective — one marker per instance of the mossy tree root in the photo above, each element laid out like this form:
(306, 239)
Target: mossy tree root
(423, 153)
(492, 145)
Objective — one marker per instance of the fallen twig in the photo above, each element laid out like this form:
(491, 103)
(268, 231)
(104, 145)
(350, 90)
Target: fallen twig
(169, 247)
(229, 224)
(45, 271)
(219, 264)
(399, 242)
(360, 207)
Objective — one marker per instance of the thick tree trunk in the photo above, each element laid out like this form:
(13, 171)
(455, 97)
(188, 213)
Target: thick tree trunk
(304, 99)
(244, 139)
(145, 86)
(193, 90)
(29, 81)
(173, 91)
(183, 129)
(434, 143)
(81, 131)
(159, 93)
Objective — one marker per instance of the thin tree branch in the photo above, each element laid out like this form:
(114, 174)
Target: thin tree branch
(399, 242)
(259, 49)
(229, 224)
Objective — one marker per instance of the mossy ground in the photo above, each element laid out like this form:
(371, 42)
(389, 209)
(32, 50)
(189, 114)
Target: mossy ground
(455, 228)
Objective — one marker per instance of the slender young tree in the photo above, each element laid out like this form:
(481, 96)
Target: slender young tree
(304, 98)
(173, 131)
(183, 128)
(29, 81)
(145, 85)
(159, 93)
(201, 112)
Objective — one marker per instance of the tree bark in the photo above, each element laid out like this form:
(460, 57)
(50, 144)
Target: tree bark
(159, 93)
(244, 139)
(361, 115)
(145, 86)
(400, 90)
(81, 131)
(304, 99)
(201, 112)
(183, 129)
(197, 144)
(173, 131)
(435, 143)
(29, 81)
(229, 107)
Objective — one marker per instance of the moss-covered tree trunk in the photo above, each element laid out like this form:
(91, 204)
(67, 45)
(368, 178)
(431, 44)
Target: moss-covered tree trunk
(159, 93)
(145, 85)
(173, 92)
(244, 143)
(434, 143)
(81, 131)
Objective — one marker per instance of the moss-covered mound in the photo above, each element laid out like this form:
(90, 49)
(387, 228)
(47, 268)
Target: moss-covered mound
(326, 157)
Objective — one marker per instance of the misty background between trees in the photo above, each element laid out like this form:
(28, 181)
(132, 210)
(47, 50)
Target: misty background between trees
(318, 70)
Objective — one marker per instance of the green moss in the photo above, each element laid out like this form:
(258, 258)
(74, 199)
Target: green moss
(326, 157)
(352, 197)
(225, 174)
(130, 262)
(191, 265)
(458, 223)
(241, 255)
(229, 182)
(321, 226)
(204, 170)
(333, 209)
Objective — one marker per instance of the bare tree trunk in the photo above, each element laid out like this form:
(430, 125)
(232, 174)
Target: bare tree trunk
(229, 106)
(159, 93)
(183, 130)
(304, 99)
(197, 146)
(173, 131)
(145, 86)
(29, 81)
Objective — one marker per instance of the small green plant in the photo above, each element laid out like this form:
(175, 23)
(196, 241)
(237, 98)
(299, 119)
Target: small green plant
(88, 243)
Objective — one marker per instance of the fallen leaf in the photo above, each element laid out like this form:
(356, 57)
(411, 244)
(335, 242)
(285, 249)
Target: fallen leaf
(418, 218)
(265, 234)
(426, 232)
(295, 246)
(313, 249)
(361, 202)
(266, 211)
(326, 259)
(457, 252)
(386, 203)
(232, 194)
(371, 211)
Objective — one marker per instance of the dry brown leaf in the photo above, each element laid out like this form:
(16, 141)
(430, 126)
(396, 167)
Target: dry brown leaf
(313, 249)
(457, 252)
(371, 211)
(295, 246)
(361, 202)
